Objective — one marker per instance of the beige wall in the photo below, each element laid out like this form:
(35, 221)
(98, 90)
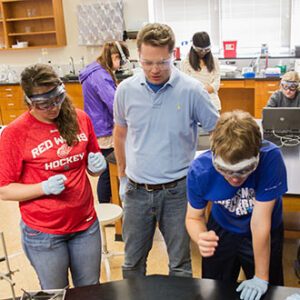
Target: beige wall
(135, 12)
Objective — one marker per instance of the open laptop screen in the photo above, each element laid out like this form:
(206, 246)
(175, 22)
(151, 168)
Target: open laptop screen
(281, 118)
(281, 125)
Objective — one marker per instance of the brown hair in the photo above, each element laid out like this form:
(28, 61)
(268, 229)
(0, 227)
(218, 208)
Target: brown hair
(201, 39)
(44, 75)
(156, 35)
(105, 57)
(236, 137)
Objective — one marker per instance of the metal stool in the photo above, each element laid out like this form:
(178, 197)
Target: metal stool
(8, 275)
(107, 213)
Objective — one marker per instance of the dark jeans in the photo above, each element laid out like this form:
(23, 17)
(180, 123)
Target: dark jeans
(235, 251)
(103, 187)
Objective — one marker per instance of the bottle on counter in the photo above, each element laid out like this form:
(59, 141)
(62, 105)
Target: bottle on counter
(264, 50)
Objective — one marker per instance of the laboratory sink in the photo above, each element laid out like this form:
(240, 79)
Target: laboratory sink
(69, 77)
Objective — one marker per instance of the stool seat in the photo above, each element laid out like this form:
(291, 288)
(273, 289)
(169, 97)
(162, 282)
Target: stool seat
(107, 213)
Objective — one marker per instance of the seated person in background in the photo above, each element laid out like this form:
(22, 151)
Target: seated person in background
(203, 66)
(244, 178)
(288, 95)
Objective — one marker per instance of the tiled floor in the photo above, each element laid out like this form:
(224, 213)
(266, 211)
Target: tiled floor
(157, 262)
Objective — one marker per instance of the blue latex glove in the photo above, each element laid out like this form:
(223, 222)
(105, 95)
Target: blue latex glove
(54, 185)
(293, 297)
(96, 162)
(252, 289)
(122, 187)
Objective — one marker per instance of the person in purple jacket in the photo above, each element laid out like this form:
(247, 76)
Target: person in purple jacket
(99, 84)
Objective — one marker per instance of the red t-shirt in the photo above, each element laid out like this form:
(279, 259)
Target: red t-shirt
(32, 151)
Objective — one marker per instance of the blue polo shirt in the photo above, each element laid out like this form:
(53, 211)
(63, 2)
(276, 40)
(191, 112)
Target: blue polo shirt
(162, 126)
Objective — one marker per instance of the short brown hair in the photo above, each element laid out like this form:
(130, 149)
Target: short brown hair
(236, 137)
(156, 35)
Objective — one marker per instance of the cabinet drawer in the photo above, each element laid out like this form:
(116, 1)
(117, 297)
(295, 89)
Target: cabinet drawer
(10, 115)
(11, 92)
(13, 103)
(232, 84)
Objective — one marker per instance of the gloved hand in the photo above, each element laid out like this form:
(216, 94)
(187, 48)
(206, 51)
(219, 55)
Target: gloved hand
(96, 162)
(122, 187)
(54, 184)
(253, 288)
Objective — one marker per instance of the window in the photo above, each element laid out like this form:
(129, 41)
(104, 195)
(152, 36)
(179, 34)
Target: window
(255, 22)
(295, 32)
(250, 22)
(185, 17)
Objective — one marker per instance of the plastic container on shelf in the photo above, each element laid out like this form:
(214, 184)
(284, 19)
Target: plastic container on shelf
(229, 49)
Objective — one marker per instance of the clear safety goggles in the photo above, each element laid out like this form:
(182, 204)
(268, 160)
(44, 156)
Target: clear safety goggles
(290, 85)
(124, 61)
(242, 169)
(202, 49)
(162, 65)
(48, 100)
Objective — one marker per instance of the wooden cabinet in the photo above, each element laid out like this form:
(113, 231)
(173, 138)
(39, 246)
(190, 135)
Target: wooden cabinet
(38, 22)
(237, 94)
(263, 91)
(75, 92)
(250, 95)
(12, 104)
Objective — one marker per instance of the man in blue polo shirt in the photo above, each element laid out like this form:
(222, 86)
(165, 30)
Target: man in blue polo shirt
(156, 113)
(244, 178)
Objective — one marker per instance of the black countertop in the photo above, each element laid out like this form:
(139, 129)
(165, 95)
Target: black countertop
(222, 78)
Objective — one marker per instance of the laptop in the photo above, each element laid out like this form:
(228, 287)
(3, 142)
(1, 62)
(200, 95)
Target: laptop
(280, 121)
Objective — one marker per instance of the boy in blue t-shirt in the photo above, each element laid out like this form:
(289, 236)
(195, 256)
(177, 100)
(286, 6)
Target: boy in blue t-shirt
(244, 178)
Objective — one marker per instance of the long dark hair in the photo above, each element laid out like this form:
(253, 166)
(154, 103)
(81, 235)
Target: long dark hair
(105, 57)
(44, 75)
(201, 39)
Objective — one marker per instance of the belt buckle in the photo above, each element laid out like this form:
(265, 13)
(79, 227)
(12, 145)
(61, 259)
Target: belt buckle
(147, 188)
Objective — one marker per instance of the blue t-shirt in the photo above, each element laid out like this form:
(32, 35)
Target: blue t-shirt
(232, 206)
(155, 87)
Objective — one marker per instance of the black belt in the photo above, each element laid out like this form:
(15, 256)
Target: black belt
(154, 187)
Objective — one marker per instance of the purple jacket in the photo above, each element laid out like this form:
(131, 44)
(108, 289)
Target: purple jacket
(98, 89)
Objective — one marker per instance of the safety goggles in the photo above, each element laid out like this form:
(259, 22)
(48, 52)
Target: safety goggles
(290, 85)
(124, 61)
(241, 169)
(48, 100)
(202, 49)
(162, 65)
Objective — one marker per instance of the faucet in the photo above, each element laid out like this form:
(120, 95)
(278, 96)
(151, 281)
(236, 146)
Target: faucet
(256, 65)
(81, 62)
(71, 66)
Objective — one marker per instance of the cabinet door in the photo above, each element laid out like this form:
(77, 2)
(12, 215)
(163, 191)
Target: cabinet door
(75, 92)
(10, 115)
(263, 91)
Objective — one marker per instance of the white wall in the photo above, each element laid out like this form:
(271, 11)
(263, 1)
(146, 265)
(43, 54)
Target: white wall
(135, 13)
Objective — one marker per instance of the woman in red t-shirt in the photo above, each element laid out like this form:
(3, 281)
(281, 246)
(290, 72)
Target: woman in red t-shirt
(44, 156)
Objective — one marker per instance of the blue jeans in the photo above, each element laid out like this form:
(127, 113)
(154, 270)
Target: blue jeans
(235, 251)
(142, 210)
(103, 186)
(51, 255)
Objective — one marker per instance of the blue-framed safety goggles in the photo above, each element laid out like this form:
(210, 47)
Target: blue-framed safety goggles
(48, 100)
